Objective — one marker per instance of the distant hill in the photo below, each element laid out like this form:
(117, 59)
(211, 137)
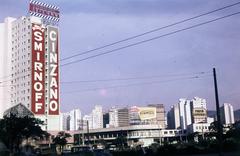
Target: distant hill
(237, 115)
(211, 113)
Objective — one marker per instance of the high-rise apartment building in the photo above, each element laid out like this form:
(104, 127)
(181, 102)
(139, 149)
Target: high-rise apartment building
(87, 122)
(71, 121)
(65, 121)
(123, 117)
(190, 111)
(199, 110)
(30, 63)
(173, 118)
(5, 64)
(118, 117)
(95, 119)
(227, 114)
(184, 113)
(113, 117)
(106, 120)
(75, 120)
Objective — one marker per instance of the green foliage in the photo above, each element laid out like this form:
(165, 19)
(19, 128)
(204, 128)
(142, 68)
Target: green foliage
(61, 139)
(120, 141)
(234, 131)
(13, 130)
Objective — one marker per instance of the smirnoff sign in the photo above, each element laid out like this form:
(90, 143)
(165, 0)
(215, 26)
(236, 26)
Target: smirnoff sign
(38, 69)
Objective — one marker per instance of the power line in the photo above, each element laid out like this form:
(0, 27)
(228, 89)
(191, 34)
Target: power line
(136, 84)
(132, 78)
(151, 39)
(139, 35)
(151, 31)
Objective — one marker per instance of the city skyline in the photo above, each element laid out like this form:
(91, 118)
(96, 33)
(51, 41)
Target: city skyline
(212, 45)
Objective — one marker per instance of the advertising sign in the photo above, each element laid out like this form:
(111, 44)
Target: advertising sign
(53, 56)
(146, 113)
(38, 70)
(199, 112)
(43, 10)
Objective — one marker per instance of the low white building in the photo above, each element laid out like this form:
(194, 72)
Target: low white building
(199, 127)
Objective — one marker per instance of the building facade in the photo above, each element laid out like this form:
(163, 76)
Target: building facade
(136, 135)
(123, 117)
(160, 114)
(65, 121)
(94, 120)
(153, 114)
(5, 64)
(31, 60)
(113, 117)
(199, 110)
(187, 112)
(173, 118)
(184, 113)
(97, 117)
(75, 120)
(227, 114)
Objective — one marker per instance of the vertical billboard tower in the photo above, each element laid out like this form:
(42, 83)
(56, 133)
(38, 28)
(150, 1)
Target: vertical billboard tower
(45, 103)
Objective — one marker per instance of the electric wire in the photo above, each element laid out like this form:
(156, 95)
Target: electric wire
(151, 31)
(151, 39)
(135, 84)
(132, 78)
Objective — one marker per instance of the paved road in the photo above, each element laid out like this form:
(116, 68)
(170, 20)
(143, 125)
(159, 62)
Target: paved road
(224, 154)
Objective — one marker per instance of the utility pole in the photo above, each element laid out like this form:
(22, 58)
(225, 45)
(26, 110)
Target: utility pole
(219, 126)
(88, 133)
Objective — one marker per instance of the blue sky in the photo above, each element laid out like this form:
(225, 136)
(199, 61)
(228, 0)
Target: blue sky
(87, 24)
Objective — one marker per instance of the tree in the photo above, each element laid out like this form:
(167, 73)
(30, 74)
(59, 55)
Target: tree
(192, 137)
(14, 129)
(213, 130)
(61, 139)
(120, 141)
(234, 131)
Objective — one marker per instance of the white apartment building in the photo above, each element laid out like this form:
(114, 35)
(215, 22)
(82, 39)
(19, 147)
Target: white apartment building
(87, 122)
(227, 114)
(113, 117)
(173, 118)
(95, 119)
(184, 113)
(65, 121)
(199, 102)
(5, 64)
(199, 110)
(29, 70)
(187, 112)
(71, 121)
(75, 120)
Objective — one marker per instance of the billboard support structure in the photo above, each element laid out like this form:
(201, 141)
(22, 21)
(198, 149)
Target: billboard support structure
(49, 14)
